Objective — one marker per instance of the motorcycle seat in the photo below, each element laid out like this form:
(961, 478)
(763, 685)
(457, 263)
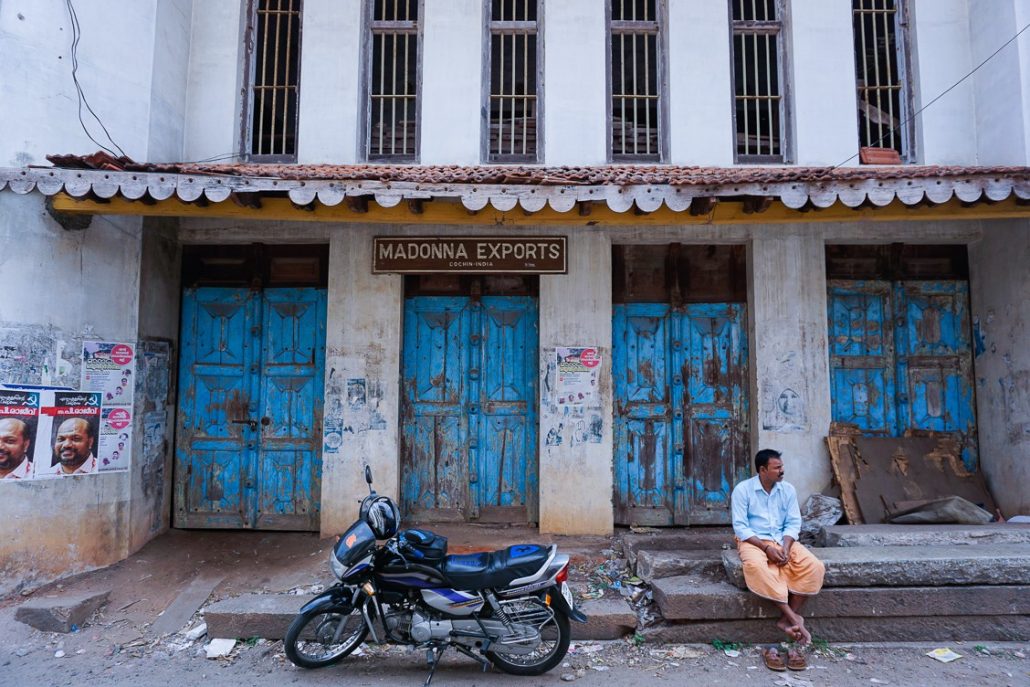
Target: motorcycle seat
(496, 569)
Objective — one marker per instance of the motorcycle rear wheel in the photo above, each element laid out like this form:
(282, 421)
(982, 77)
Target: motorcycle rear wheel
(316, 640)
(554, 643)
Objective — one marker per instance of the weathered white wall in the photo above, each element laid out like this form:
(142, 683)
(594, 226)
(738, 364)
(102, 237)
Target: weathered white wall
(170, 59)
(363, 340)
(214, 98)
(825, 115)
(575, 83)
(1000, 295)
(452, 76)
(789, 353)
(940, 55)
(576, 482)
(700, 84)
(330, 101)
(1001, 86)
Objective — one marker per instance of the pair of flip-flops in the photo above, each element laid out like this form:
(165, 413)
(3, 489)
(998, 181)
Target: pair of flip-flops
(774, 660)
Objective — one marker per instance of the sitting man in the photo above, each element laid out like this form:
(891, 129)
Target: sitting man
(766, 521)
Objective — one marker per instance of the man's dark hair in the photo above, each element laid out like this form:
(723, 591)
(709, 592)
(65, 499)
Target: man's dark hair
(762, 457)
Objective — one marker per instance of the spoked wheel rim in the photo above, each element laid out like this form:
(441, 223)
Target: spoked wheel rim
(327, 636)
(550, 642)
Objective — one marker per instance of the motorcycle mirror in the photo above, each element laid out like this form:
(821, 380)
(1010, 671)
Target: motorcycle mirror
(368, 475)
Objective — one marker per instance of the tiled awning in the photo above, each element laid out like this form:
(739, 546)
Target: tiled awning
(620, 187)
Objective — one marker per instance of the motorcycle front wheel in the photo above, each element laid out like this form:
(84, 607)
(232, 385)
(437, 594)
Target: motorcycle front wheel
(554, 643)
(318, 638)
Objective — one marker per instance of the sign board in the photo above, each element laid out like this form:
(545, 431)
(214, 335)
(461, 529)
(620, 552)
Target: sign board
(470, 255)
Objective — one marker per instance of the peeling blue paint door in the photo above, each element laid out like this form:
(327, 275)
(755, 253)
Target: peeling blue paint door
(901, 358)
(681, 411)
(250, 408)
(469, 411)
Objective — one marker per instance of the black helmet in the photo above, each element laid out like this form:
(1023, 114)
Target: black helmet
(381, 514)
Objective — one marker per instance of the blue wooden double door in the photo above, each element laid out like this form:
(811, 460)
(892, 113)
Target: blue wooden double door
(250, 408)
(681, 409)
(901, 360)
(469, 415)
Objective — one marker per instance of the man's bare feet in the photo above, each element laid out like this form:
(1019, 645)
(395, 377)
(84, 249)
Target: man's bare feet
(791, 630)
(805, 637)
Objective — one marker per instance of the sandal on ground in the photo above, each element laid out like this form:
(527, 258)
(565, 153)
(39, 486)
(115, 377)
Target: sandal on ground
(796, 660)
(773, 660)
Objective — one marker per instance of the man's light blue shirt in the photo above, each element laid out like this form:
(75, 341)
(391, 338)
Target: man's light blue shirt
(766, 515)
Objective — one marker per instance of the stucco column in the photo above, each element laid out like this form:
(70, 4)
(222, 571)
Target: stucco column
(791, 388)
(576, 310)
(363, 338)
(1000, 295)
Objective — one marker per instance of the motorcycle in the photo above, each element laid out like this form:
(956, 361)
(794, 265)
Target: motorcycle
(509, 608)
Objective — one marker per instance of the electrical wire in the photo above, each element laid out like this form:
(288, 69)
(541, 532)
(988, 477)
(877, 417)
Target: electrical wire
(76, 36)
(890, 132)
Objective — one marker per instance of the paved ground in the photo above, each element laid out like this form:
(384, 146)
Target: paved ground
(614, 664)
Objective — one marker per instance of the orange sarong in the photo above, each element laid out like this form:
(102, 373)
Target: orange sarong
(803, 573)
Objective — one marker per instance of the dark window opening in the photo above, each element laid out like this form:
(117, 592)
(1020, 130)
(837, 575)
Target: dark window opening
(758, 103)
(880, 69)
(274, 39)
(471, 285)
(678, 273)
(393, 81)
(513, 105)
(897, 262)
(635, 79)
(255, 265)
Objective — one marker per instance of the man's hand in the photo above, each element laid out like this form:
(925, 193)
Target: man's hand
(787, 543)
(776, 554)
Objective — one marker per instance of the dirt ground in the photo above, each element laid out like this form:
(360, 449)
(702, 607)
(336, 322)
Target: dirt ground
(117, 648)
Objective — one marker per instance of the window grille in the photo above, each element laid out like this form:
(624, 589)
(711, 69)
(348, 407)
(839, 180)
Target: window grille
(513, 104)
(880, 66)
(759, 115)
(393, 81)
(635, 77)
(274, 42)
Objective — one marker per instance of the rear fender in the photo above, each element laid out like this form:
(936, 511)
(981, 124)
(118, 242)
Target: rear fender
(335, 599)
(558, 601)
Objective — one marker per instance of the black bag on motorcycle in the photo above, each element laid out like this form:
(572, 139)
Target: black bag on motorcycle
(424, 547)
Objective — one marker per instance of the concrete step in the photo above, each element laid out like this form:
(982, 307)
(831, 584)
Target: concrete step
(685, 598)
(1013, 628)
(913, 566)
(653, 565)
(687, 539)
(269, 615)
(923, 535)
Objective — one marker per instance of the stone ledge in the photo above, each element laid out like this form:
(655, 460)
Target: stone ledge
(923, 535)
(684, 598)
(913, 566)
(653, 565)
(58, 614)
(693, 539)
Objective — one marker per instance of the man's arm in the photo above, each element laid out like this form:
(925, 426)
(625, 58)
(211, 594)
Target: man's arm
(792, 523)
(739, 502)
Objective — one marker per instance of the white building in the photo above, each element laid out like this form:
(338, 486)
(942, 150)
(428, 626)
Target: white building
(675, 186)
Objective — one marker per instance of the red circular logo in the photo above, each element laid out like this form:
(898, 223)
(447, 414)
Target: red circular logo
(121, 354)
(118, 418)
(589, 358)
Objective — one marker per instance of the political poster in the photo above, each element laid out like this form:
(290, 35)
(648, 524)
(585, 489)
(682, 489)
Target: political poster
(576, 375)
(19, 421)
(70, 421)
(115, 438)
(108, 368)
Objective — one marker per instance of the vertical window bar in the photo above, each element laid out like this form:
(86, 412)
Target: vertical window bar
(635, 78)
(758, 99)
(393, 80)
(273, 75)
(883, 105)
(511, 99)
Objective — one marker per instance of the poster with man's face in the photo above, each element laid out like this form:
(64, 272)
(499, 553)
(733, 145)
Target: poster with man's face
(74, 434)
(19, 415)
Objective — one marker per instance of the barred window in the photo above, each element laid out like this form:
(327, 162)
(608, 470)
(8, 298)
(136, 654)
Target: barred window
(273, 41)
(513, 103)
(393, 80)
(758, 111)
(883, 104)
(635, 80)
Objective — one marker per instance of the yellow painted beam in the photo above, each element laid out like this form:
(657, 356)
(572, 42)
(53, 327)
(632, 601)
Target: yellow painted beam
(452, 212)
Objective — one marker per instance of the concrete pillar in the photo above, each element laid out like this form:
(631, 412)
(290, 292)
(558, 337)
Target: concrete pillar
(825, 121)
(576, 482)
(330, 76)
(575, 83)
(1000, 295)
(363, 343)
(791, 387)
(700, 98)
(452, 77)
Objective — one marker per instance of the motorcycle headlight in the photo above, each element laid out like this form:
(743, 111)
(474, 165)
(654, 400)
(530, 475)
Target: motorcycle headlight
(336, 566)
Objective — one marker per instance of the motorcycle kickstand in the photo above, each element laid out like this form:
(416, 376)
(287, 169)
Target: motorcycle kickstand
(433, 659)
(475, 657)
